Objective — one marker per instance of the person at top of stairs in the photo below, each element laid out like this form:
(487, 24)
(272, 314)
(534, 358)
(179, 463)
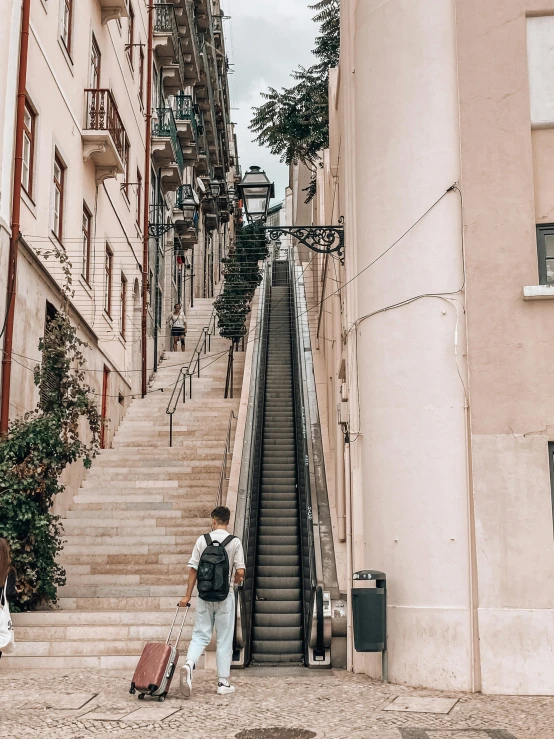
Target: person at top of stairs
(178, 324)
(214, 571)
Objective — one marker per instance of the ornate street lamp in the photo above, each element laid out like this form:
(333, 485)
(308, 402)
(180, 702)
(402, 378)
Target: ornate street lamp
(256, 191)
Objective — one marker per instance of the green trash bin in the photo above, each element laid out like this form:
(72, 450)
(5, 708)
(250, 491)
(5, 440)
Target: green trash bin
(369, 611)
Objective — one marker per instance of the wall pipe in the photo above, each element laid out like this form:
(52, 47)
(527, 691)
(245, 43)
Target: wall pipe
(16, 218)
(146, 235)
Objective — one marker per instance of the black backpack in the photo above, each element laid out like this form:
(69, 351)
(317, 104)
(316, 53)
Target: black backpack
(213, 571)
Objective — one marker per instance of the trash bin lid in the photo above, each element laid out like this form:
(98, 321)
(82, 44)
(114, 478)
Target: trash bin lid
(369, 575)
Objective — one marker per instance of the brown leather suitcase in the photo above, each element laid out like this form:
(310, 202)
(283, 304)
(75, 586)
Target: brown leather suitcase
(157, 666)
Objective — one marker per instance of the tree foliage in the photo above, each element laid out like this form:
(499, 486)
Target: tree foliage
(294, 122)
(35, 451)
(242, 277)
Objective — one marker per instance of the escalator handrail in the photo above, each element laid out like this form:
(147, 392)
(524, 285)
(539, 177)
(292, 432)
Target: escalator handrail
(251, 447)
(325, 563)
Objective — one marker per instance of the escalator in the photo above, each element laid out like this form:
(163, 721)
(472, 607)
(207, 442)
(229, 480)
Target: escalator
(290, 611)
(277, 608)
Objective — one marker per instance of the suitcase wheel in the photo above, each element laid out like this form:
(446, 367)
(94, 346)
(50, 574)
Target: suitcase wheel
(141, 696)
(132, 689)
(161, 698)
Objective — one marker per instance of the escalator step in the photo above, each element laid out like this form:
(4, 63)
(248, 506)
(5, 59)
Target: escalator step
(272, 540)
(273, 594)
(278, 583)
(278, 560)
(278, 619)
(272, 659)
(269, 607)
(277, 647)
(277, 633)
(278, 571)
(279, 550)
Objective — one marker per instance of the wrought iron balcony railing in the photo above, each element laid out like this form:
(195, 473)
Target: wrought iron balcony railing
(165, 21)
(164, 126)
(184, 111)
(102, 115)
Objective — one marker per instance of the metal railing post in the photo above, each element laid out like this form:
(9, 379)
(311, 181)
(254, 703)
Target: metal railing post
(171, 429)
(198, 362)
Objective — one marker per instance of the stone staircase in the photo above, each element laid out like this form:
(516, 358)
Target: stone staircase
(132, 525)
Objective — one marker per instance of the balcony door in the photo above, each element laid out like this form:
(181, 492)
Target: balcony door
(95, 63)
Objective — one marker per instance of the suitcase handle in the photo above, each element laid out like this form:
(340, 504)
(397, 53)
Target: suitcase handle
(182, 625)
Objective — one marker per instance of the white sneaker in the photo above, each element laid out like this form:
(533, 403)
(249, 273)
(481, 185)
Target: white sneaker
(186, 681)
(225, 688)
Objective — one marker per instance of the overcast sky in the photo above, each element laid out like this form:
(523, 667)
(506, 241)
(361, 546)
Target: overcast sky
(266, 41)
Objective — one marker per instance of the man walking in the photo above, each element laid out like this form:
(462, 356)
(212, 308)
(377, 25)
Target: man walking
(217, 561)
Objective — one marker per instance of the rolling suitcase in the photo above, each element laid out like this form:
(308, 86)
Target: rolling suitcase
(157, 665)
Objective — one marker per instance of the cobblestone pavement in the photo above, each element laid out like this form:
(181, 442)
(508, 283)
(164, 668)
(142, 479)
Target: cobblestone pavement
(65, 704)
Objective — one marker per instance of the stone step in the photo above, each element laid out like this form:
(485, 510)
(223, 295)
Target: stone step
(106, 549)
(95, 568)
(104, 529)
(105, 635)
(78, 619)
(121, 591)
(125, 604)
(128, 541)
(109, 560)
(122, 580)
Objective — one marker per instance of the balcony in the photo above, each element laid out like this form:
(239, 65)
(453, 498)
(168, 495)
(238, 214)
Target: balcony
(166, 149)
(104, 138)
(113, 10)
(168, 46)
(185, 119)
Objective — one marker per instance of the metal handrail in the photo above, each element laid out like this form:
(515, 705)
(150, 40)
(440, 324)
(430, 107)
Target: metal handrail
(204, 344)
(226, 454)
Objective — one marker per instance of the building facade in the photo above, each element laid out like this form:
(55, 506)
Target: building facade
(84, 191)
(436, 333)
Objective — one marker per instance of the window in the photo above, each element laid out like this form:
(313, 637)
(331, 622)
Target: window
(123, 297)
(87, 223)
(141, 74)
(545, 246)
(59, 185)
(28, 149)
(139, 198)
(108, 271)
(126, 157)
(130, 34)
(95, 61)
(67, 19)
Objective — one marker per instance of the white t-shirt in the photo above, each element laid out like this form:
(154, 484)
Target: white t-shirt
(178, 321)
(234, 550)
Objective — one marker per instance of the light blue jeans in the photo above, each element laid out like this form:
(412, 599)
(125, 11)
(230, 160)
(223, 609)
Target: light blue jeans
(222, 617)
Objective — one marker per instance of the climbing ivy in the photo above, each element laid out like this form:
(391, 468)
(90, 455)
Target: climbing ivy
(35, 451)
(242, 276)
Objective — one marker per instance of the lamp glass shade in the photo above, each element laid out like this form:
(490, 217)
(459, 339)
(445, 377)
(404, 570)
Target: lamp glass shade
(256, 191)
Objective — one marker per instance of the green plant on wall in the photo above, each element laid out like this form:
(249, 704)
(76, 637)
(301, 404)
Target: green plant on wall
(242, 276)
(36, 450)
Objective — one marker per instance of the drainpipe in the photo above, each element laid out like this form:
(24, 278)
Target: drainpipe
(16, 216)
(146, 237)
